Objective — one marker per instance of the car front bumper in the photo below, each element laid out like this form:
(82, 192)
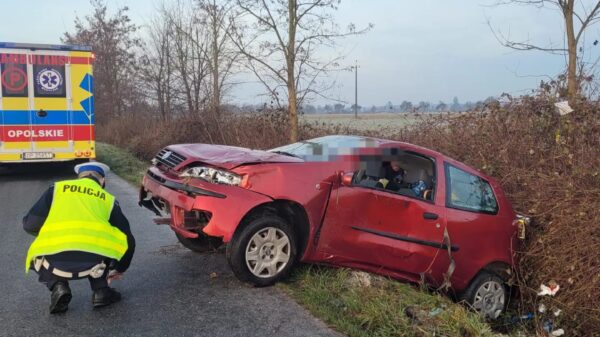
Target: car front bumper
(223, 206)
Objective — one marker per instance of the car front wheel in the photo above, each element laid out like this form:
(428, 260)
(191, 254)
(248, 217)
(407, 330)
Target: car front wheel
(487, 295)
(263, 252)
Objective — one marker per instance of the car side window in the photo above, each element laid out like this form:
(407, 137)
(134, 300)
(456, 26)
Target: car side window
(405, 173)
(469, 192)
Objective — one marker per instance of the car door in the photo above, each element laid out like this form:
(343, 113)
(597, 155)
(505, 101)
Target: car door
(473, 211)
(382, 229)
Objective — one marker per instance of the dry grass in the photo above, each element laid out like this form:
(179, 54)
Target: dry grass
(383, 123)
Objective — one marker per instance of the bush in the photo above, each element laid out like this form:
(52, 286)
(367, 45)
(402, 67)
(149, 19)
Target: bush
(257, 130)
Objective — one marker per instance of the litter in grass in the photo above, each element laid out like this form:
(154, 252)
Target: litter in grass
(550, 289)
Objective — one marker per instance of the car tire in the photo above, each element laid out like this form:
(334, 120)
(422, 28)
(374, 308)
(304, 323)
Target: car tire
(202, 244)
(263, 251)
(487, 295)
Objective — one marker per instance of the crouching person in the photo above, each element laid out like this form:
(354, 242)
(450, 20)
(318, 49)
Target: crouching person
(81, 233)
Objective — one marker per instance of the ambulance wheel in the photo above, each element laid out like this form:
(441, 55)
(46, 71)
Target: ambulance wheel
(202, 244)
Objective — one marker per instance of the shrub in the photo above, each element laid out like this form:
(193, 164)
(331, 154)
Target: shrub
(258, 130)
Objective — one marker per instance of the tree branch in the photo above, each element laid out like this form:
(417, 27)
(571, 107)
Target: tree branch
(591, 17)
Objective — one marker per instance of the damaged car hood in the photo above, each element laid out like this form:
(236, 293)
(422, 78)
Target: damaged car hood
(229, 157)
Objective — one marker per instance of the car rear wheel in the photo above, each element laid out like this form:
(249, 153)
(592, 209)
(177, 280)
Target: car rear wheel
(263, 252)
(203, 243)
(487, 295)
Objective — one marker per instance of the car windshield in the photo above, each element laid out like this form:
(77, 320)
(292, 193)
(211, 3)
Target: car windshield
(323, 148)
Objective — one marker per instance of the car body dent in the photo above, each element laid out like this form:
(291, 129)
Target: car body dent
(228, 157)
(307, 186)
(226, 213)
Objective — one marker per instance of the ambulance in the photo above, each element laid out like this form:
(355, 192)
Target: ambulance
(46, 103)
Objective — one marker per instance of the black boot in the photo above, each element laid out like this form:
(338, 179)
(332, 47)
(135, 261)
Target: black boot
(60, 298)
(105, 296)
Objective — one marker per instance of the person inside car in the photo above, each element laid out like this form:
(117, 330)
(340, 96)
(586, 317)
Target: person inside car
(392, 177)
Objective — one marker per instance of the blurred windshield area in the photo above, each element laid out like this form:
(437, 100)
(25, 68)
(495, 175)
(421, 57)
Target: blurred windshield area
(326, 148)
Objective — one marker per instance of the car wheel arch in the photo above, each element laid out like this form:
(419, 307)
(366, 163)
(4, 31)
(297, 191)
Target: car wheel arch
(502, 269)
(499, 268)
(292, 212)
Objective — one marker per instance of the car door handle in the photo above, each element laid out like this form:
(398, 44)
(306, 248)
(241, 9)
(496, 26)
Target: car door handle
(430, 216)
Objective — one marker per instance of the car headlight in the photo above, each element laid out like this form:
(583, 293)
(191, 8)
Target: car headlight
(212, 175)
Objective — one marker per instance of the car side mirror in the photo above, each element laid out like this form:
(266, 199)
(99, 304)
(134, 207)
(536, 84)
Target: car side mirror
(347, 179)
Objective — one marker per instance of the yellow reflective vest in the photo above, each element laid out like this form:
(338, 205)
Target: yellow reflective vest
(78, 221)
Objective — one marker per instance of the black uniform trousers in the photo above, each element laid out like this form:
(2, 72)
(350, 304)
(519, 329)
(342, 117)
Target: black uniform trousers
(73, 262)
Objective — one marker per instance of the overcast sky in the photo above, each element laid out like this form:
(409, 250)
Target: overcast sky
(418, 50)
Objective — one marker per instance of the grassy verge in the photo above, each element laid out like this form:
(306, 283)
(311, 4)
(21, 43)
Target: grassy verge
(121, 162)
(354, 303)
(360, 305)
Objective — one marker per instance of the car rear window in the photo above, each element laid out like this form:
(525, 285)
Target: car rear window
(469, 192)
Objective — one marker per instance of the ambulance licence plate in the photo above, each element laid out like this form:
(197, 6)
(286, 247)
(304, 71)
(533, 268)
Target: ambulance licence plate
(38, 155)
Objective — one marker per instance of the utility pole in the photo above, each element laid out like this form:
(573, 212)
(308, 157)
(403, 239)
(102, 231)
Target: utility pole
(355, 89)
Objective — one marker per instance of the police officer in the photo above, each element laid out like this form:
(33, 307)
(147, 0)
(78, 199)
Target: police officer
(80, 232)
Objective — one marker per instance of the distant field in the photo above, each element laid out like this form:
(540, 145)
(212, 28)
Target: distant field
(375, 121)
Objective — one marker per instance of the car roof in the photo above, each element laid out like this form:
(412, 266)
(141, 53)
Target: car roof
(375, 142)
(364, 141)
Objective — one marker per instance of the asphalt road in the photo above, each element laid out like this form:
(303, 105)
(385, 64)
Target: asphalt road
(168, 291)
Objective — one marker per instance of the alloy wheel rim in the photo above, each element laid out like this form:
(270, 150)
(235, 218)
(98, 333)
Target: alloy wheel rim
(268, 252)
(489, 299)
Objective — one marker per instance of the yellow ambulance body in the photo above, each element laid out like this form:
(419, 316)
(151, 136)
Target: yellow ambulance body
(46, 103)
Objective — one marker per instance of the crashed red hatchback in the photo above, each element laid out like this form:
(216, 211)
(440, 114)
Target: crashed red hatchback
(337, 200)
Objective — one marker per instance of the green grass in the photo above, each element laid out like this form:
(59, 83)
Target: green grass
(122, 162)
(379, 309)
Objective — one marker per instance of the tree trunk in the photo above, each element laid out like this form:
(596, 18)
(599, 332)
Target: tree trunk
(293, 113)
(216, 95)
(291, 78)
(572, 83)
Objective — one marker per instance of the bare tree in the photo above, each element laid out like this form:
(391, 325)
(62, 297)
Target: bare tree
(219, 17)
(188, 46)
(157, 69)
(280, 43)
(189, 57)
(204, 56)
(441, 106)
(577, 16)
(114, 41)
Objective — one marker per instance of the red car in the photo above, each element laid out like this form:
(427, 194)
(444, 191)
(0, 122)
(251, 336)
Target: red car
(378, 205)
